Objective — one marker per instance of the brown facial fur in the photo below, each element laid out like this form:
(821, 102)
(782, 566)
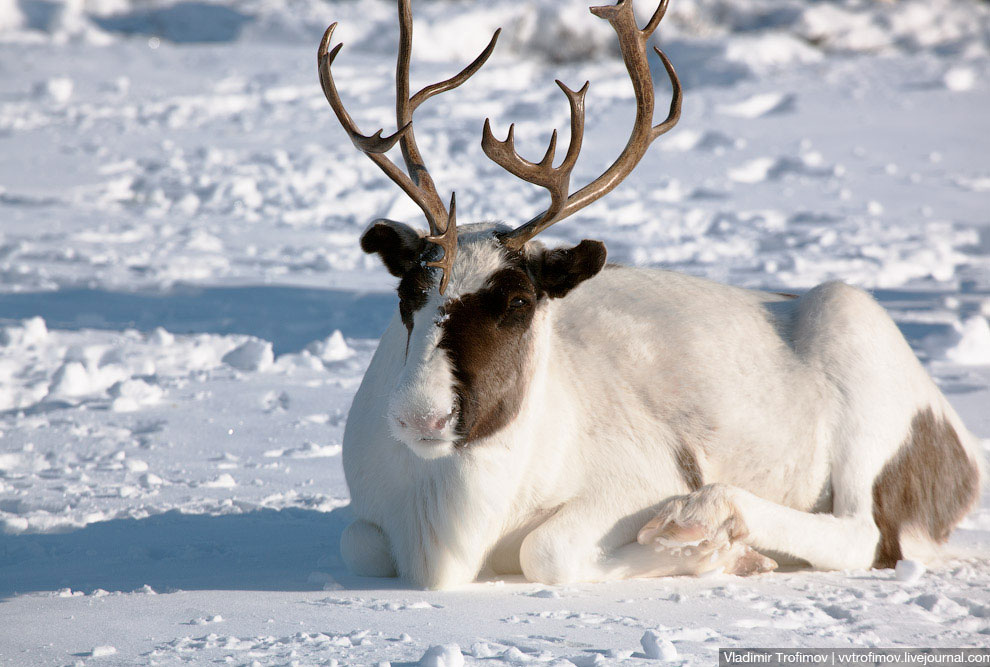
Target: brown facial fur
(412, 293)
(929, 485)
(402, 251)
(486, 334)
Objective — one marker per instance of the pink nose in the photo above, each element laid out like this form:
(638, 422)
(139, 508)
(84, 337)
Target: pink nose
(428, 425)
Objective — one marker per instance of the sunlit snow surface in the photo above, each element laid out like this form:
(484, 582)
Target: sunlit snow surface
(185, 313)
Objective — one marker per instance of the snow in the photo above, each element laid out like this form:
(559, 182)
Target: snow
(960, 78)
(254, 355)
(185, 313)
(758, 105)
(909, 571)
(442, 656)
(974, 342)
(102, 651)
(655, 646)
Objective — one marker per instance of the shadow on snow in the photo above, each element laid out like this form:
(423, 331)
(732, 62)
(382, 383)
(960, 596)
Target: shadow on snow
(289, 317)
(182, 22)
(260, 550)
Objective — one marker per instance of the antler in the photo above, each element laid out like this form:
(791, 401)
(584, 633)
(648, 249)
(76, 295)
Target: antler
(417, 182)
(632, 43)
(542, 173)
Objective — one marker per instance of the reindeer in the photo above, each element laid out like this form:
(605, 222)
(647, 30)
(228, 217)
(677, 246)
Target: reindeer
(534, 410)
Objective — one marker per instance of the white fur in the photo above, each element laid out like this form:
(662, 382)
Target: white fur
(791, 408)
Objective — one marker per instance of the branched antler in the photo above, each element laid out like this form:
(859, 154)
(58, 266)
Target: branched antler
(542, 173)
(632, 43)
(415, 181)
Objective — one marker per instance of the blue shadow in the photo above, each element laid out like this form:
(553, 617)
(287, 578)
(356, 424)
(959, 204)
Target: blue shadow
(183, 22)
(261, 550)
(289, 317)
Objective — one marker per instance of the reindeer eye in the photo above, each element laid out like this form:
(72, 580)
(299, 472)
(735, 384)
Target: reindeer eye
(518, 302)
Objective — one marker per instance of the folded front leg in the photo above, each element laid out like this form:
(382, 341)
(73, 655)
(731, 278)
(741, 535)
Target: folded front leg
(579, 544)
(709, 521)
(721, 514)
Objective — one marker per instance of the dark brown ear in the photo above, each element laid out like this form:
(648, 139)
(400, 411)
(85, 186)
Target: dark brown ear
(399, 245)
(563, 269)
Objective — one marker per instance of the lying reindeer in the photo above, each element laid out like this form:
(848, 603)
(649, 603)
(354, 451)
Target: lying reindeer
(533, 410)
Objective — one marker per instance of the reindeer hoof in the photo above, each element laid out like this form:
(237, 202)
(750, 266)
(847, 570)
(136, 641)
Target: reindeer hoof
(672, 531)
(751, 562)
(707, 515)
(706, 530)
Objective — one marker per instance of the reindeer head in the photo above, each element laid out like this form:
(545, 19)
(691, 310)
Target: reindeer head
(472, 298)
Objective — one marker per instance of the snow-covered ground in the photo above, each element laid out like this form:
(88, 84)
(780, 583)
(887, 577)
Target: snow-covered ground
(185, 313)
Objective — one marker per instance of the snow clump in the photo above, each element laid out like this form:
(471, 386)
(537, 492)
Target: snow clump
(448, 655)
(959, 79)
(333, 348)
(254, 355)
(656, 647)
(27, 333)
(132, 395)
(973, 346)
(909, 571)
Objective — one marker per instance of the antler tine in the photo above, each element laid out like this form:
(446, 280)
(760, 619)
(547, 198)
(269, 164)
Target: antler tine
(417, 183)
(655, 19)
(632, 44)
(448, 241)
(405, 105)
(437, 214)
(375, 145)
(674, 114)
(555, 179)
(453, 82)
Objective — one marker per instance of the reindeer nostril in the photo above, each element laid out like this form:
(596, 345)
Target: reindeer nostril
(426, 425)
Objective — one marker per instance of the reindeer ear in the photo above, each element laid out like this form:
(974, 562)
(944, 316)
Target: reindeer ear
(399, 245)
(563, 269)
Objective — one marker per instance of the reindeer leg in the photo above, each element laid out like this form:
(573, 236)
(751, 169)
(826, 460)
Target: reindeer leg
(708, 520)
(581, 543)
(728, 515)
(365, 550)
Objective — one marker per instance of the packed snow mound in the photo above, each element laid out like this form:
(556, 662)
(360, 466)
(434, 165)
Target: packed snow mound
(252, 355)
(443, 656)
(124, 385)
(122, 372)
(909, 571)
(555, 30)
(972, 344)
(656, 647)
(28, 333)
(333, 348)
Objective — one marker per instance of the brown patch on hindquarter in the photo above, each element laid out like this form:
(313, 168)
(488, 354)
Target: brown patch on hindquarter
(929, 485)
